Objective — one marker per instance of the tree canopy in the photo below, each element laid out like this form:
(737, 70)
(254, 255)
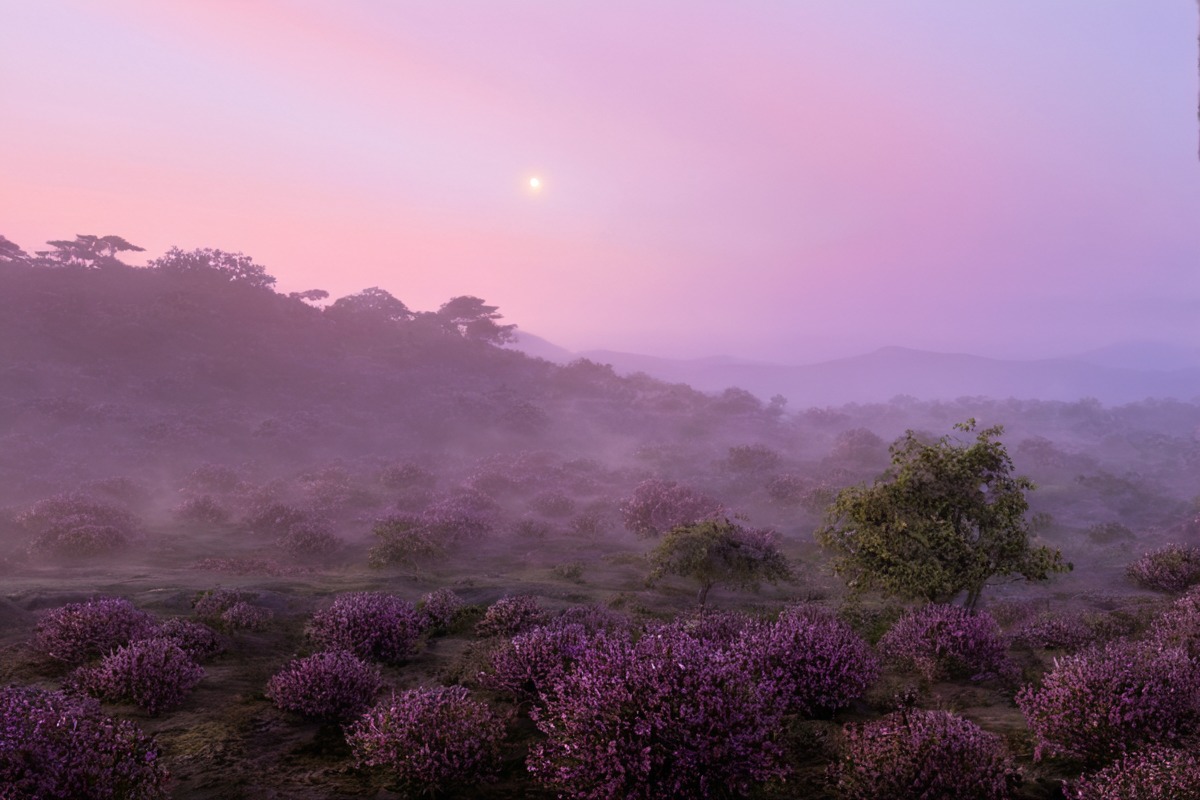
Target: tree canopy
(720, 552)
(944, 519)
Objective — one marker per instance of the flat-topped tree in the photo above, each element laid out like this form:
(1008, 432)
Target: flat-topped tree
(943, 520)
(87, 250)
(717, 552)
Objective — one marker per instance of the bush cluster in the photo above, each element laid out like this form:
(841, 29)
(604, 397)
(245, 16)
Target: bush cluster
(59, 747)
(1155, 773)
(79, 632)
(195, 638)
(154, 674)
(944, 641)
(509, 616)
(528, 666)
(913, 754)
(309, 539)
(430, 739)
(440, 608)
(1172, 568)
(232, 609)
(1103, 702)
(202, 510)
(1053, 631)
(332, 685)
(375, 626)
(657, 506)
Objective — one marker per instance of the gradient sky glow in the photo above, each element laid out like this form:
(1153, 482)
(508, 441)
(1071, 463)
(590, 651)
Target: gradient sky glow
(774, 180)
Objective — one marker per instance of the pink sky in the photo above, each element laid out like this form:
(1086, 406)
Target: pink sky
(770, 180)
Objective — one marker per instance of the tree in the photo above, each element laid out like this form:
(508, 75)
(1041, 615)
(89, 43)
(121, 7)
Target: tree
(719, 552)
(11, 253)
(370, 306)
(944, 519)
(474, 319)
(206, 262)
(86, 250)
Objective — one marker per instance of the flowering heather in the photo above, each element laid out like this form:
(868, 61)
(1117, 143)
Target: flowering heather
(232, 609)
(440, 608)
(1103, 702)
(1156, 773)
(212, 478)
(593, 618)
(913, 754)
(78, 541)
(59, 747)
(942, 641)
(818, 662)
(309, 539)
(78, 632)
(203, 510)
(1172, 568)
(375, 626)
(274, 519)
(657, 506)
(74, 509)
(212, 604)
(430, 739)
(404, 540)
(530, 664)
(155, 674)
(333, 685)
(554, 503)
(1180, 624)
(722, 628)
(195, 638)
(667, 716)
(509, 616)
(1053, 631)
(464, 517)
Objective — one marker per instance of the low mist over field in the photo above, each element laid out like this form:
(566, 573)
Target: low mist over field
(639, 401)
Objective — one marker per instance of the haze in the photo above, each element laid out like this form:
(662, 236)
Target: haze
(771, 181)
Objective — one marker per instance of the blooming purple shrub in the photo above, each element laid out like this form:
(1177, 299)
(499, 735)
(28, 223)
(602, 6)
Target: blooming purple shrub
(333, 685)
(309, 539)
(78, 541)
(403, 539)
(943, 641)
(1172, 568)
(666, 716)
(463, 517)
(440, 608)
(74, 509)
(232, 609)
(430, 739)
(375, 626)
(913, 754)
(554, 503)
(203, 510)
(657, 506)
(274, 519)
(1179, 625)
(155, 674)
(1155, 773)
(195, 638)
(1053, 631)
(509, 616)
(60, 747)
(529, 665)
(817, 662)
(1102, 702)
(78, 632)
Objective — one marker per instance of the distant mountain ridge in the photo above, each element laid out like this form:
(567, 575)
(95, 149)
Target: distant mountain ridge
(1121, 373)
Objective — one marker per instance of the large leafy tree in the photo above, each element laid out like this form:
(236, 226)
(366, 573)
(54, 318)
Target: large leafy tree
(474, 319)
(87, 250)
(716, 552)
(943, 520)
(206, 263)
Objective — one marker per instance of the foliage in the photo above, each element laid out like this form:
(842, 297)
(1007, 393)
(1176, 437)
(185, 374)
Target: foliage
(375, 626)
(473, 319)
(667, 716)
(332, 685)
(59, 747)
(206, 263)
(945, 519)
(155, 674)
(373, 306)
(204, 510)
(719, 552)
(1054, 631)
(87, 250)
(509, 616)
(309, 540)
(657, 506)
(195, 638)
(402, 540)
(942, 641)
(231, 609)
(1171, 568)
(529, 666)
(1154, 773)
(913, 754)
(440, 608)
(1103, 702)
(430, 739)
(78, 632)
(79, 541)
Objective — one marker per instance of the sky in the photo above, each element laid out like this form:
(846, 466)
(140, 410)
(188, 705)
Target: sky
(778, 181)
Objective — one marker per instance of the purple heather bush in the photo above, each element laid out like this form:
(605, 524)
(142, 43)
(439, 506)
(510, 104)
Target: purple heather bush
(509, 616)
(332, 685)
(403, 539)
(943, 641)
(309, 540)
(464, 517)
(593, 618)
(818, 662)
(62, 747)
(195, 638)
(430, 739)
(1053, 631)
(1180, 624)
(375, 626)
(232, 609)
(1155, 773)
(531, 664)
(202, 510)
(1103, 702)
(78, 541)
(74, 509)
(657, 506)
(666, 716)
(154, 674)
(79, 632)
(1172, 568)
(914, 754)
(440, 608)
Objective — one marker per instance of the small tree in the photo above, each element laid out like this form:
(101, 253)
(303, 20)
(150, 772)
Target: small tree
(717, 551)
(944, 519)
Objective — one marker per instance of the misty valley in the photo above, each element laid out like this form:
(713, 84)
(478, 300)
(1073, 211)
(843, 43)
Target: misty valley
(268, 545)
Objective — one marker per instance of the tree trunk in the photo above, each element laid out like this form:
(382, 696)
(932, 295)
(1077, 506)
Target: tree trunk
(703, 595)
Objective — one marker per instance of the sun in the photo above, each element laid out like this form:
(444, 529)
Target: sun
(535, 183)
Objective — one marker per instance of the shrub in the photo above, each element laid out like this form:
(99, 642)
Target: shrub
(79, 541)
(657, 506)
(195, 638)
(1179, 625)
(274, 519)
(942, 641)
(375, 626)
(1156, 773)
(818, 662)
(430, 739)
(667, 716)
(333, 685)
(204, 510)
(155, 674)
(923, 755)
(554, 503)
(1102, 702)
(212, 604)
(1172, 568)
(440, 608)
(1053, 631)
(78, 632)
(309, 539)
(74, 509)
(509, 616)
(402, 540)
(719, 552)
(529, 665)
(59, 747)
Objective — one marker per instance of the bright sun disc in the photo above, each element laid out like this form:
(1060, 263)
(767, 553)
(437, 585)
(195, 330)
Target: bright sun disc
(535, 183)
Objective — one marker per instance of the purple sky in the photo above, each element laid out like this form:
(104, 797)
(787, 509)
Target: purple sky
(774, 180)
